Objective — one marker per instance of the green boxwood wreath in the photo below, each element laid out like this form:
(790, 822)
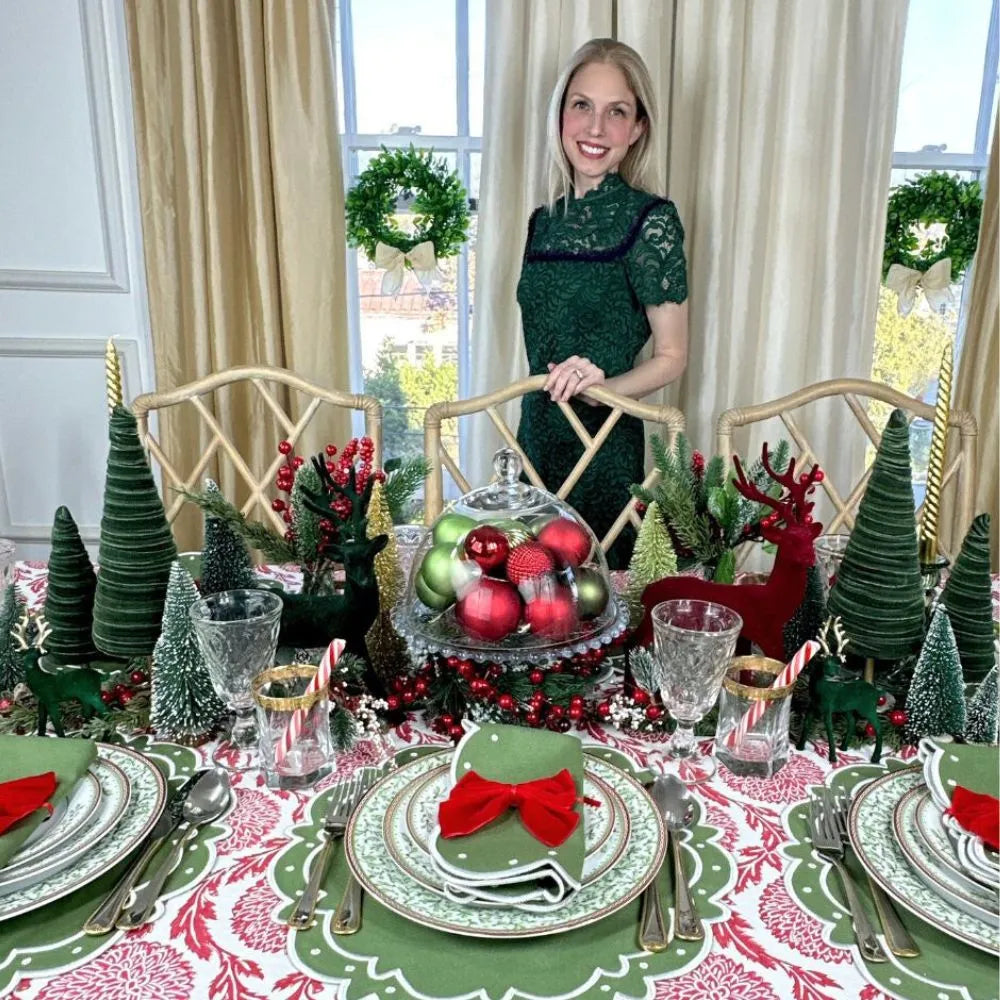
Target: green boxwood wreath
(440, 204)
(922, 201)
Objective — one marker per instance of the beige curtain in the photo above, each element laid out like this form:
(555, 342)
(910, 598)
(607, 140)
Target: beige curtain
(978, 381)
(529, 41)
(242, 209)
(777, 120)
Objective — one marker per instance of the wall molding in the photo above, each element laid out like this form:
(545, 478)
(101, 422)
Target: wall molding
(72, 348)
(94, 25)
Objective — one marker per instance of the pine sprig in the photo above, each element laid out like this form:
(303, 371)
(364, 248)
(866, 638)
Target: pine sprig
(403, 479)
(258, 536)
(308, 538)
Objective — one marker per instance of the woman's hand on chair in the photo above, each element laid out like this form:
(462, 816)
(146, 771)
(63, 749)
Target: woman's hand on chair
(572, 377)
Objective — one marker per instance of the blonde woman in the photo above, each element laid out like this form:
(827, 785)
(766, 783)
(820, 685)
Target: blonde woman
(603, 272)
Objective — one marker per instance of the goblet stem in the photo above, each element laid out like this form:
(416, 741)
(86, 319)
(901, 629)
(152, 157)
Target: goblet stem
(244, 732)
(682, 743)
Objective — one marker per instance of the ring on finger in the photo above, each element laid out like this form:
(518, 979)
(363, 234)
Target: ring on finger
(578, 373)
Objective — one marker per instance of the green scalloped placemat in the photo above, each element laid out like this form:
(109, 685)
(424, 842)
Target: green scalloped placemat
(599, 960)
(49, 940)
(945, 970)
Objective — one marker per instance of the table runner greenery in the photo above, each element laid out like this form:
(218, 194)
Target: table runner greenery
(49, 940)
(945, 970)
(599, 960)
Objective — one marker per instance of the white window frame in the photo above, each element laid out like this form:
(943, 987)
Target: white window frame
(463, 145)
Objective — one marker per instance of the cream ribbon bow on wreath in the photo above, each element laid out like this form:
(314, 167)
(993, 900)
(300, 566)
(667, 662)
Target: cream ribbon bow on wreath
(935, 281)
(421, 259)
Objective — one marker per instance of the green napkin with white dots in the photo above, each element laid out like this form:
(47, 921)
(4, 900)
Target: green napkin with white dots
(503, 864)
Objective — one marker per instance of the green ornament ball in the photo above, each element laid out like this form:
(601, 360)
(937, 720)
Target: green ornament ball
(431, 597)
(435, 571)
(592, 592)
(452, 528)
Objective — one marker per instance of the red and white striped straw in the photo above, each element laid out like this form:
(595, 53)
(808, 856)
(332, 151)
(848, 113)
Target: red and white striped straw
(320, 680)
(791, 671)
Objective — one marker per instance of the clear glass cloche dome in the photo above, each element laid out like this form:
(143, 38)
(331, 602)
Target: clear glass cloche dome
(508, 573)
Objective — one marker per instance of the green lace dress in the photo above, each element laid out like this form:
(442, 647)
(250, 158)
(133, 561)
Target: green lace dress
(590, 268)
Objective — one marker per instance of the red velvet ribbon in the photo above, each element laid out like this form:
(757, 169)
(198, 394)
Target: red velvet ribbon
(546, 807)
(22, 796)
(977, 813)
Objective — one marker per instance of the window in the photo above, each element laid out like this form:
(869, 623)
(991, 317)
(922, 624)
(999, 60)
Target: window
(412, 72)
(947, 104)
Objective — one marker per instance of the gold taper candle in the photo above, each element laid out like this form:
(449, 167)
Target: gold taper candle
(935, 465)
(112, 376)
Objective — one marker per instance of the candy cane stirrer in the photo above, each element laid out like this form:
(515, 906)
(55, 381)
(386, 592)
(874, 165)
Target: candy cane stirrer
(321, 680)
(787, 676)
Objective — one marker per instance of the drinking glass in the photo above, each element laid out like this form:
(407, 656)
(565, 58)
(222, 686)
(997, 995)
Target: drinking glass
(7, 563)
(830, 551)
(237, 632)
(693, 643)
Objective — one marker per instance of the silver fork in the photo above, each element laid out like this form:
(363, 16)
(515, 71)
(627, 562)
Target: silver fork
(897, 937)
(827, 844)
(338, 812)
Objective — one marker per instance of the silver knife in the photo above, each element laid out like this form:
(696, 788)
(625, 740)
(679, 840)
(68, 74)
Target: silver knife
(102, 920)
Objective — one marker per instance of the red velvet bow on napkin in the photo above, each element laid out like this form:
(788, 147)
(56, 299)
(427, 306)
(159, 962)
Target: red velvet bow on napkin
(977, 813)
(22, 796)
(545, 806)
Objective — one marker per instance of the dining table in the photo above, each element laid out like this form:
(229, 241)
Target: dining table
(777, 926)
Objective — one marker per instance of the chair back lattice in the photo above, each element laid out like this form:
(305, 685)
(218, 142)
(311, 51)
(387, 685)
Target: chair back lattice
(960, 468)
(267, 383)
(440, 459)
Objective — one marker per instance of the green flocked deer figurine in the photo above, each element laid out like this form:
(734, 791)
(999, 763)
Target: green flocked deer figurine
(50, 689)
(834, 690)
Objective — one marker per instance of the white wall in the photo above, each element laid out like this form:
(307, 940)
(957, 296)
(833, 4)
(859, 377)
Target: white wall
(71, 267)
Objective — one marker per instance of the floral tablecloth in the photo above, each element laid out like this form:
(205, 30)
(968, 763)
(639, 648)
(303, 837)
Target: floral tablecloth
(220, 939)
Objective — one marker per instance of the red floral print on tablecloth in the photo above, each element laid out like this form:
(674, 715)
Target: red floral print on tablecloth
(721, 820)
(717, 978)
(253, 820)
(791, 925)
(252, 921)
(790, 784)
(139, 970)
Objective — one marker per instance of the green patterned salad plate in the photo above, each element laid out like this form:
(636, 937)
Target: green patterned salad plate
(370, 858)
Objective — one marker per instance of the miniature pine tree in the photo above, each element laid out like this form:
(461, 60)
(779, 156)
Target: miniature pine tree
(11, 667)
(225, 561)
(653, 558)
(967, 598)
(69, 600)
(935, 705)
(878, 593)
(982, 716)
(385, 648)
(184, 707)
(308, 537)
(136, 548)
(807, 621)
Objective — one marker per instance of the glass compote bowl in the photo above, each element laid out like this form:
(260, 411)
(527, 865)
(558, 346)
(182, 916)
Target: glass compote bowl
(237, 632)
(693, 644)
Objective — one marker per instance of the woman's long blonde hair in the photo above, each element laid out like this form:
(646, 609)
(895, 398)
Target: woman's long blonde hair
(634, 168)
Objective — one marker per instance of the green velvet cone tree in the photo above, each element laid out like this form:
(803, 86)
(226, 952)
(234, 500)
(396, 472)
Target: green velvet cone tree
(967, 598)
(935, 705)
(981, 715)
(807, 621)
(136, 548)
(653, 558)
(11, 666)
(878, 594)
(69, 600)
(184, 705)
(225, 561)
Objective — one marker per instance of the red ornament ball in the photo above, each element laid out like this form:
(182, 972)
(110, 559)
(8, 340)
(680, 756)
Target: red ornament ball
(881, 700)
(448, 720)
(604, 709)
(107, 697)
(533, 719)
(653, 712)
(536, 677)
(488, 546)
(5, 704)
(392, 703)
(491, 610)
(567, 539)
(285, 447)
(898, 717)
(552, 614)
(125, 697)
(640, 697)
(506, 702)
(528, 561)
(137, 677)
(278, 505)
(576, 712)
(456, 732)
(869, 731)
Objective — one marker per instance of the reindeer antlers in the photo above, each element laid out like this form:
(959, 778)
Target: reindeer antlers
(20, 631)
(836, 645)
(793, 507)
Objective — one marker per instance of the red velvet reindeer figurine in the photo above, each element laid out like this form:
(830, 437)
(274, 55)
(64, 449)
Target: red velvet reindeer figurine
(765, 608)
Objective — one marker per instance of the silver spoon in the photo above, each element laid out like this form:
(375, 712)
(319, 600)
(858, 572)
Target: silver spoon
(677, 806)
(206, 802)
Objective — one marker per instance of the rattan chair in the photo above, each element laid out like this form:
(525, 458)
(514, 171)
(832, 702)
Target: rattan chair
(268, 383)
(671, 419)
(960, 464)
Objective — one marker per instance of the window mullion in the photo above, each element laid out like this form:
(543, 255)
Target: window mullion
(989, 83)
